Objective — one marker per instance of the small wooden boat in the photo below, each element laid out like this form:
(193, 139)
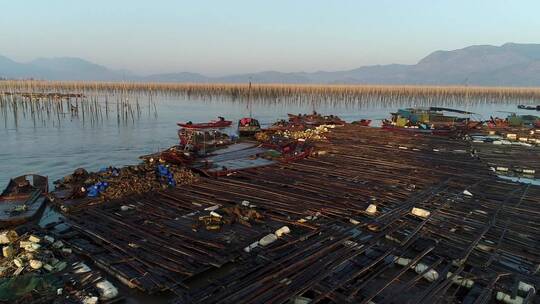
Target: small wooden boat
(315, 119)
(248, 126)
(432, 120)
(524, 107)
(202, 140)
(214, 124)
(23, 199)
(362, 122)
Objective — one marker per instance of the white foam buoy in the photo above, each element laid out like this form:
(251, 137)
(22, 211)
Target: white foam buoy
(251, 246)
(371, 209)
(430, 275)
(36, 264)
(353, 221)
(8, 236)
(506, 298)
(212, 208)
(81, 268)
(420, 212)
(34, 239)
(283, 230)
(268, 239)
(215, 214)
(7, 251)
(106, 290)
(90, 300)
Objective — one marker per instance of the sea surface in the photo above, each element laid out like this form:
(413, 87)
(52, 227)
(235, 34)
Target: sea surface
(55, 145)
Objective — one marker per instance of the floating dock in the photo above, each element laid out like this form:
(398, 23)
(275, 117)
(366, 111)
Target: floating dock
(372, 217)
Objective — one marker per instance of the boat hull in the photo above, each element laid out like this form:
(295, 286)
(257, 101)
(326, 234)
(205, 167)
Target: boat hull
(23, 200)
(208, 125)
(441, 132)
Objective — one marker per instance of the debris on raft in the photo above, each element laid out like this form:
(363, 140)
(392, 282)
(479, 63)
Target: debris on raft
(243, 214)
(315, 119)
(112, 183)
(313, 134)
(510, 151)
(38, 268)
(377, 218)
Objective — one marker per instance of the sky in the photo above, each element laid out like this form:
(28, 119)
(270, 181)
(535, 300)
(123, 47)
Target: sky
(227, 37)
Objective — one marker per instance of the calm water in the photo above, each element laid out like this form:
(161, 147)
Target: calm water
(57, 146)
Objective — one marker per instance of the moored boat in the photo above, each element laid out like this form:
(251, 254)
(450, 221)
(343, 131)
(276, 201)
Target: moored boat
(315, 119)
(362, 122)
(432, 120)
(248, 126)
(202, 140)
(214, 124)
(525, 107)
(23, 199)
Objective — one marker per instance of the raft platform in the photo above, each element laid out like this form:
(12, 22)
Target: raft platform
(374, 217)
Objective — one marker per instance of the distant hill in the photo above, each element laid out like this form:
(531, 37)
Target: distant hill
(511, 64)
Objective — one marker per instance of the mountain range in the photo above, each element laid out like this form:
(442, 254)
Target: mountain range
(510, 64)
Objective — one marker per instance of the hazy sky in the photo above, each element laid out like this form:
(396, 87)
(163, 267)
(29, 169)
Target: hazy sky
(223, 37)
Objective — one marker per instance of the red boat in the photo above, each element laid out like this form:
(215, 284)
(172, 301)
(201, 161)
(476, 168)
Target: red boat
(214, 124)
(497, 123)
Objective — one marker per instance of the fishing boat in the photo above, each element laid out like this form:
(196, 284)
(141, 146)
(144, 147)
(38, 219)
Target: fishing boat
(248, 126)
(514, 120)
(214, 124)
(362, 122)
(432, 120)
(202, 140)
(315, 119)
(524, 107)
(23, 199)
